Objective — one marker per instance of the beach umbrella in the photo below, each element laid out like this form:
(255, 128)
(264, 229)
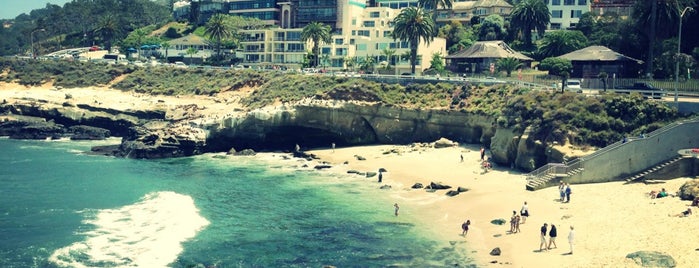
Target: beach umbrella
(383, 170)
(131, 49)
(145, 47)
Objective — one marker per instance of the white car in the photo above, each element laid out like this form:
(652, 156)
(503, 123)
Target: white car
(574, 85)
(179, 64)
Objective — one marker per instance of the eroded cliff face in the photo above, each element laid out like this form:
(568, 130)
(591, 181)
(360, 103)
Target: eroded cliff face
(347, 124)
(310, 124)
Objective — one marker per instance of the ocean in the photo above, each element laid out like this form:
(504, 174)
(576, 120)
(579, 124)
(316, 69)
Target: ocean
(60, 207)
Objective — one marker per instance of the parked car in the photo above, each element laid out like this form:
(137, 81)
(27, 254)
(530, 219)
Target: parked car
(179, 64)
(646, 89)
(574, 85)
(94, 48)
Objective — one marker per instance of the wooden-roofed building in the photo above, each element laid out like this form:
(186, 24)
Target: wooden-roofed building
(480, 55)
(590, 61)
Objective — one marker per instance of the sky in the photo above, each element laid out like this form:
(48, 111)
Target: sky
(12, 8)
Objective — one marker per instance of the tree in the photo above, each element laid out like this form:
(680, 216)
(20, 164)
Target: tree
(108, 28)
(529, 15)
(317, 32)
(166, 46)
(368, 64)
(218, 29)
(557, 66)
(350, 62)
(191, 51)
(389, 53)
(413, 24)
(560, 42)
(492, 28)
(508, 65)
(437, 62)
(458, 37)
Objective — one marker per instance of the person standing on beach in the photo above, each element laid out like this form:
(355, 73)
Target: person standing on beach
(297, 148)
(333, 146)
(464, 227)
(552, 236)
(542, 246)
(568, 192)
(482, 153)
(562, 190)
(524, 212)
(512, 221)
(571, 239)
(396, 208)
(380, 176)
(462, 158)
(517, 220)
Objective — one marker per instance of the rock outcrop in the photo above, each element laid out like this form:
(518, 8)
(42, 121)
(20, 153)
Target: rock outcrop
(652, 259)
(689, 190)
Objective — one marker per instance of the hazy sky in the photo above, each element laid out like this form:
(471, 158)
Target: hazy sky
(12, 8)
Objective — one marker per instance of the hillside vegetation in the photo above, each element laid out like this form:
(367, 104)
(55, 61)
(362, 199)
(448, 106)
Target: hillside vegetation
(560, 117)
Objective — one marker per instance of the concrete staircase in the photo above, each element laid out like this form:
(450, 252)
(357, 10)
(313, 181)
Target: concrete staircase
(641, 175)
(546, 180)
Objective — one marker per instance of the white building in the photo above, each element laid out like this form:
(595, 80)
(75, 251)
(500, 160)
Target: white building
(364, 32)
(566, 13)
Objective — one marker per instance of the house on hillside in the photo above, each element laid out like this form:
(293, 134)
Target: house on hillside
(179, 48)
(590, 61)
(479, 56)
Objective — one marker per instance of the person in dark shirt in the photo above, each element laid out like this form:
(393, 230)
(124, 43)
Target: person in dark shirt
(552, 236)
(543, 237)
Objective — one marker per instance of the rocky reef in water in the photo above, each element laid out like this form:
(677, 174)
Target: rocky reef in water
(313, 123)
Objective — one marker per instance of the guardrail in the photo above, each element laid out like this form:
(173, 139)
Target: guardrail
(579, 162)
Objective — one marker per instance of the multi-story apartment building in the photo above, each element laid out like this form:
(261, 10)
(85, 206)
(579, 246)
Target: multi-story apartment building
(395, 4)
(565, 14)
(465, 11)
(366, 32)
(265, 10)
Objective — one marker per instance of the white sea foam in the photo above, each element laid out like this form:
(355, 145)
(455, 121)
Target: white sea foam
(148, 233)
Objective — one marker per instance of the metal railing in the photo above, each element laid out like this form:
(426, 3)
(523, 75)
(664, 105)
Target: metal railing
(579, 162)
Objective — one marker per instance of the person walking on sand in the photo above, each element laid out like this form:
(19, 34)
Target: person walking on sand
(396, 208)
(380, 176)
(464, 227)
(517, 220)
(568, 192)
(482, 153)
(571, 238)
(542, 246)
(524, 212)
(462, 158)
(552, 236)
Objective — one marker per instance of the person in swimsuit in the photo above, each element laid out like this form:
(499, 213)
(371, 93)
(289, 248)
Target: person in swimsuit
(464, 227)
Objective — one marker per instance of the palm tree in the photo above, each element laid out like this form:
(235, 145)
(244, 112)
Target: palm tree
(350, 62)
(368, 64)
(529, 15)
(316, 32)
(191, 51)
(166, 46)
(413, 24)
(217, 28)
(389, 56)
(508, 65)
(140, 34)
(108, 29)
(560, 42)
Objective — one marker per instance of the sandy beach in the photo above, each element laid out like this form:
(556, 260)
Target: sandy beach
(611, 219)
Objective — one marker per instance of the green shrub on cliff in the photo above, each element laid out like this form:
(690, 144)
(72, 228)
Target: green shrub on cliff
(62, 73)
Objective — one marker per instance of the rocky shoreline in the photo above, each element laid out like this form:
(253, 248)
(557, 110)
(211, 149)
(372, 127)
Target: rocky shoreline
(162, 127)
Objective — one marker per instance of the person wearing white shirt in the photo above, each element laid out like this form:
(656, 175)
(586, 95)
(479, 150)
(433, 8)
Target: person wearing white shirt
(571, 238)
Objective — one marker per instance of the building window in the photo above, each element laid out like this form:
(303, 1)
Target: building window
(354, 32)
(555, 26)
(361, 47)
(568, 2)
(582, 2)
(369, 23)
(557, 14)
(387, 34)
(354, 21)
(375, 14)
(325, 50)
(340, 52)
(351, 41)
(293, 36)
(363, 33)
(339, 41)
(575, 13)
(555, 2)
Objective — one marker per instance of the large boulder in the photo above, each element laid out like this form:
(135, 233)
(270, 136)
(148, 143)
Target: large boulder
(81, 132)
(689, 190)
(162, 141)
(444, 143)
(39, 131)
(438, 186)
(652, 259)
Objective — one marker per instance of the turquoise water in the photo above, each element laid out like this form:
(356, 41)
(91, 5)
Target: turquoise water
(62, 208)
